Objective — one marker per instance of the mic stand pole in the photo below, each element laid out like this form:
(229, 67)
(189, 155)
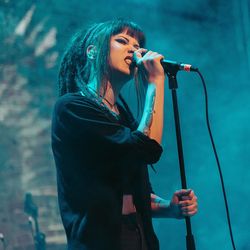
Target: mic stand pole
(31, 208)
(173, 85)
(39, 237)
(3, 241)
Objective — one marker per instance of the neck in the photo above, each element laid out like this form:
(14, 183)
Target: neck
(112, 91)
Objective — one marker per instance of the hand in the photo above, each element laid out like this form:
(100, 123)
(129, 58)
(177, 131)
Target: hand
(149, 64)
(183, 204)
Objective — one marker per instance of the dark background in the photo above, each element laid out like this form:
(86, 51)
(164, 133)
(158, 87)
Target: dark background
(213, 35)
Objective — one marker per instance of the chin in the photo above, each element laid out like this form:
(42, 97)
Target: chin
(130, 71)
(125, 73)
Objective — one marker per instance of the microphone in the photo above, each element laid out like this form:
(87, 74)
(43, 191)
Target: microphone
(172, 66)
(29, 206)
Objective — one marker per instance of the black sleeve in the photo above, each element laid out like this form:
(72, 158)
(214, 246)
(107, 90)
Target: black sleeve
(79, 118)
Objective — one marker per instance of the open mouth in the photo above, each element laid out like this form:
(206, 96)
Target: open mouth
(128, 60)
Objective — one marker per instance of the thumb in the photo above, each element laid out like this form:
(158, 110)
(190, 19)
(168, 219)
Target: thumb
(183, 192)
(138, 54)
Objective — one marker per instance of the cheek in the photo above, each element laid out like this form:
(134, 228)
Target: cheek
(115, 55)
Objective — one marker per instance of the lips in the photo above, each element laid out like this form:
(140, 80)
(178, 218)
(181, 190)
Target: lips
(128, 59)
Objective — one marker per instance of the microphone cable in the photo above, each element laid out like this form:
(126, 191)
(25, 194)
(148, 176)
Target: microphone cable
(217, 159)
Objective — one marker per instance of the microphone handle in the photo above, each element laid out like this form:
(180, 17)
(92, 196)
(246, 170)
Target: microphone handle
(170, 66)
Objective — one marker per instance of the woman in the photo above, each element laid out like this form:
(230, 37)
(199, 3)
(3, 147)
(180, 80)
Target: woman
(101, 152)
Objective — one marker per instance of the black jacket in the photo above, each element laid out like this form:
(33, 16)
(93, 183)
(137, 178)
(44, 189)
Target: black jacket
(99, 157)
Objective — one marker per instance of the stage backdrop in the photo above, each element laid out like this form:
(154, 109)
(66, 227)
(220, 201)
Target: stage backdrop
(213, 35)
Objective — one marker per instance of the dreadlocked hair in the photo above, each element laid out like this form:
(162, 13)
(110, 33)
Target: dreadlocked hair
(75, 69)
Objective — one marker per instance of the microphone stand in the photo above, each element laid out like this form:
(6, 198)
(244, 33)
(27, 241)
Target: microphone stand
(3, 241)
(31, 209)
(39, 237)
(171, 72)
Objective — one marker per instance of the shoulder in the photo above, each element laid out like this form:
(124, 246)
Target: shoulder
(77, 106)
(73, 98)
(75, 101)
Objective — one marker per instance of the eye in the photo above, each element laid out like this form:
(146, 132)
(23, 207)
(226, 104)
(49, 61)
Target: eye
(136, 46)
(120, 40)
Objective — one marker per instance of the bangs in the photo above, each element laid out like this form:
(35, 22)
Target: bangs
(131, 29)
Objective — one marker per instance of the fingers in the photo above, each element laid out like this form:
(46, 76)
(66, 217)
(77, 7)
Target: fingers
(185, 194)
(138, 54)
(151, 55)
(187, 202)
(183, 191)
(149, 66)
(189, 213)
(189, 210)
(143, 55)
(188, 205)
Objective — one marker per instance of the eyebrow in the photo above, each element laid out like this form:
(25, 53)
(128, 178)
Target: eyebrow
(137, 45)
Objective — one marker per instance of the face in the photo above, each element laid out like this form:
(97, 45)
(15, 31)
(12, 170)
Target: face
(122, 47)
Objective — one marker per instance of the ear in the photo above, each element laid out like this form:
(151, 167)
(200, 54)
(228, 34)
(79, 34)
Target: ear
(91, 52)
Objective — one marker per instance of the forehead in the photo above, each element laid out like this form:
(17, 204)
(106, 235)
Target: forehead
(126, 35)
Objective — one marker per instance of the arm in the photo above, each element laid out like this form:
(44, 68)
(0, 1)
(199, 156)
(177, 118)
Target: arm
(151, 123)
(152, 119)
(160, 208)
(183, 203)
(78, 118)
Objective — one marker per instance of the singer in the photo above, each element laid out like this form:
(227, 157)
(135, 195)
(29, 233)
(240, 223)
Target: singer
(102, 153)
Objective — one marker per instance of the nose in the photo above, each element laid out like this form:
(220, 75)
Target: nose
(132, 49)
